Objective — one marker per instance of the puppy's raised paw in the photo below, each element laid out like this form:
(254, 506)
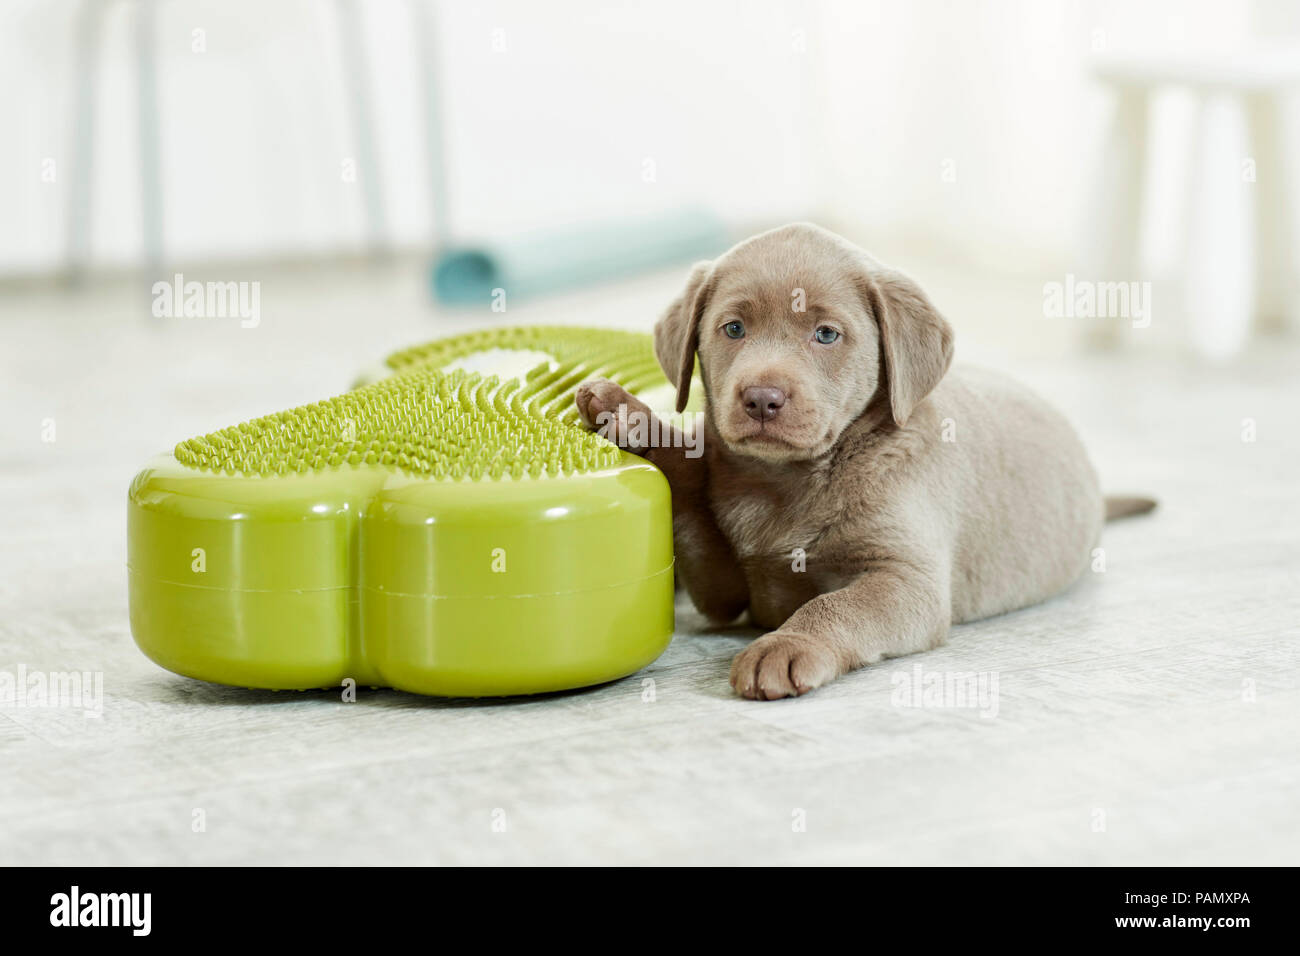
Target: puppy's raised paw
(614, 412)
(783, 664)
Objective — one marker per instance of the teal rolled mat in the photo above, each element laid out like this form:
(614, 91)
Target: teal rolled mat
(543, 262)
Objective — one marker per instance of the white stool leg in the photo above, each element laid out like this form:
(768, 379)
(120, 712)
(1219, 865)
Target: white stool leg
(356, 76)
(1218, 286)
(1111, 246)
(81, 200)
(1275, 182)
(151, 189)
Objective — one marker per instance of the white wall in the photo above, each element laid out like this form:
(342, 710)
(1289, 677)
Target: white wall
(996, 95)
(557, 126)
(849, 111)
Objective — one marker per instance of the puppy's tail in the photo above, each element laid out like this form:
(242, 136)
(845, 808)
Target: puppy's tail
(1121, 506)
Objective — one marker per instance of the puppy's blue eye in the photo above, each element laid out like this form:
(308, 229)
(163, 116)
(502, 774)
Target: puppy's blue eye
(826, 335)
(734, 329)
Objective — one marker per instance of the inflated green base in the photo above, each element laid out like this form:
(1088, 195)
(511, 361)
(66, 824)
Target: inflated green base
(437, 531)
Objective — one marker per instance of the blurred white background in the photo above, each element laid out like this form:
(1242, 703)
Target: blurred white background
(966, 129)
(550, 112)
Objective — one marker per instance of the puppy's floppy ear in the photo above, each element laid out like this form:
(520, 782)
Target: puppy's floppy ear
(915, 340)
(677, 331)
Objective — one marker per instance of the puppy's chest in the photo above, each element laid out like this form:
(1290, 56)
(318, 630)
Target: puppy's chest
(758, 524)
(797, 531)
(786, 551)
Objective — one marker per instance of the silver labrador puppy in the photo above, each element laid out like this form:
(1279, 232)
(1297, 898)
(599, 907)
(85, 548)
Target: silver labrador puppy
(855, 495)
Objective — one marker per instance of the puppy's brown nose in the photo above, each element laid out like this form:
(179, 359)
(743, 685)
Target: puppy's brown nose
(762, 402)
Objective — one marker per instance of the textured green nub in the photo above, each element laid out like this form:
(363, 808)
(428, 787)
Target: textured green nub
(431, 422)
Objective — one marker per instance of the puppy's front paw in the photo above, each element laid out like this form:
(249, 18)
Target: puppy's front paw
(615, 413)
(781, 664)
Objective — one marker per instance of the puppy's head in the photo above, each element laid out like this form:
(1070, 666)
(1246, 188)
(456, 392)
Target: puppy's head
(796, 331)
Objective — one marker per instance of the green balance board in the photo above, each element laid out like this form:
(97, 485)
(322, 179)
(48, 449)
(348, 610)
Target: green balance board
(442, 531)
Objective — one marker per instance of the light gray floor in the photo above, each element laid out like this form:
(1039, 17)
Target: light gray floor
(1151, 715)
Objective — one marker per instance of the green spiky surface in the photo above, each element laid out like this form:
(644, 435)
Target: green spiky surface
(626, 357)
(432, 423)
